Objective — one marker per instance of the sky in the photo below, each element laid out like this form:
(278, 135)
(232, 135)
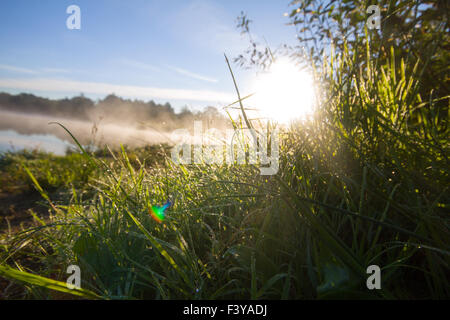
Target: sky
(166, 51)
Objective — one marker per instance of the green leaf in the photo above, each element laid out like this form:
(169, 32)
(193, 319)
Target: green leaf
(40, 281)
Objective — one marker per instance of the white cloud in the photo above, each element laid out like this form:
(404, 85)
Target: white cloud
(192, 74)
(33, 71)
(56, 85)
(145, 66)
(138, 65)
(55, 70)
(17, 69)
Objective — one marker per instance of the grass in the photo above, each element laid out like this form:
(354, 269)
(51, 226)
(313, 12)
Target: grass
(364, 182)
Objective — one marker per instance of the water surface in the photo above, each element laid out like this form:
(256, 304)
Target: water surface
(10, 140)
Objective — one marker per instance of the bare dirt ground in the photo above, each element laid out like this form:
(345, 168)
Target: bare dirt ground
(14, 217)
(14, 210)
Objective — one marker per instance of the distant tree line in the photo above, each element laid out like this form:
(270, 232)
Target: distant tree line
(110, 109)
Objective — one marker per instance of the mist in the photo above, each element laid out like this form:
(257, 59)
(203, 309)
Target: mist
(86, 132)
(111, 121)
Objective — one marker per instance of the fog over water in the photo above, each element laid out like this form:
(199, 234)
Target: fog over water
(22, 130)
(13, 141)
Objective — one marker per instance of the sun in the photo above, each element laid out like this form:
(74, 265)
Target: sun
(284, 93)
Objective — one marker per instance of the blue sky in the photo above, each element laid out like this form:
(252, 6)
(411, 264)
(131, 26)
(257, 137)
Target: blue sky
(161, 50)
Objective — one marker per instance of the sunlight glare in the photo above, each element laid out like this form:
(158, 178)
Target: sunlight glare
(284, 93)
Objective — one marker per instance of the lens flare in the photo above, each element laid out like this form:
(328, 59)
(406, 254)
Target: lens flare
(158, 213)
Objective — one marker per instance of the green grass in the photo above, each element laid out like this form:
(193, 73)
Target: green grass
(364, 182)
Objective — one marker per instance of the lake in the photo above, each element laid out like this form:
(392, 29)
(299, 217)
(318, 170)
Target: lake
(10, 140)
(30, 131)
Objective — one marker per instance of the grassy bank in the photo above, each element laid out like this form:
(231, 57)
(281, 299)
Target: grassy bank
(364, 182)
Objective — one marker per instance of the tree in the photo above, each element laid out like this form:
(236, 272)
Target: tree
(416, 30)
